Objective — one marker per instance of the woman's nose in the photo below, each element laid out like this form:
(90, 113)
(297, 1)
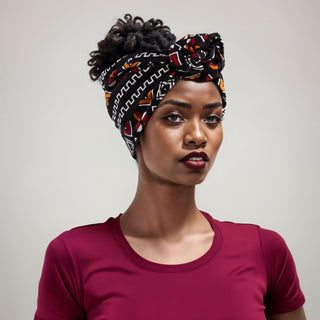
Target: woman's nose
(195, 134)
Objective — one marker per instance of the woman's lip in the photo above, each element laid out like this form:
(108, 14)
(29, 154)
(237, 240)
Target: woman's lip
(195, 160)
(192, 164)
(197, 155)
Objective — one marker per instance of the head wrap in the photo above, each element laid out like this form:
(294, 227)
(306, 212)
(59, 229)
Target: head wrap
(136, 83)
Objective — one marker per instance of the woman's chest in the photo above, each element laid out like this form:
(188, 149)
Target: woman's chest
(214, 292)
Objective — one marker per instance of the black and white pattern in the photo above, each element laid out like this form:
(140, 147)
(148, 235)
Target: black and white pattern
(135, 84)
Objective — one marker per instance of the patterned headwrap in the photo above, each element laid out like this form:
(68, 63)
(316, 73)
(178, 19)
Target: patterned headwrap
(136, 83)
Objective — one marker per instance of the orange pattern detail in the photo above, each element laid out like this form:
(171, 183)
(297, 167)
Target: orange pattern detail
(221, 85)
(136, 116)
(148, 100)
(133, 65)
(193, 77)
(107, 96)
(213, 66)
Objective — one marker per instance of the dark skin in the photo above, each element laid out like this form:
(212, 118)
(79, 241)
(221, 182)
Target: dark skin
(163, 223)
(174, 225)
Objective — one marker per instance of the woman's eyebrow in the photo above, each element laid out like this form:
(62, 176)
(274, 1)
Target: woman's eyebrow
(176, 103)
(188, 105)
(213, 105)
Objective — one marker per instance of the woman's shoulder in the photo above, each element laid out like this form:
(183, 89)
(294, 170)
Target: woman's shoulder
(266, 235)
(270, 241)
(85, 238)
(87, 230)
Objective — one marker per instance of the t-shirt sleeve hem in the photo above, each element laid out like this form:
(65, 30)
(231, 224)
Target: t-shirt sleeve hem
(284, 308)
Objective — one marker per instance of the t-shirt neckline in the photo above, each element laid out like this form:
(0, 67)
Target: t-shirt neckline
(155, 266)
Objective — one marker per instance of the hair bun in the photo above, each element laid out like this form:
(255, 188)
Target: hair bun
(128, 36)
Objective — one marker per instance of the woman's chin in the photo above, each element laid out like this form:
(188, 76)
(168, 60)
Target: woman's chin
(195, 181)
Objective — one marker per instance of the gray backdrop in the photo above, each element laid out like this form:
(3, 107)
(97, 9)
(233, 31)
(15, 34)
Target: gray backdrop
(63, 163)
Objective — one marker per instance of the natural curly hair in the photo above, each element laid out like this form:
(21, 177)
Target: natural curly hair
(128, 36)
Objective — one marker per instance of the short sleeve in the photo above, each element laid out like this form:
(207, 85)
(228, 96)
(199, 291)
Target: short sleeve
(283, 293)
(59, 294)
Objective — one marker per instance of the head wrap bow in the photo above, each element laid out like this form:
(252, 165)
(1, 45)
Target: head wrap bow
(136, 83)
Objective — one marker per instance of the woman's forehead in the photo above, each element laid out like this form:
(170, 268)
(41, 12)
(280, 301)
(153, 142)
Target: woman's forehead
(187, 92)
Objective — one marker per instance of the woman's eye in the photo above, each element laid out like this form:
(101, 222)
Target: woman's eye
(213, 119)
(173, 118)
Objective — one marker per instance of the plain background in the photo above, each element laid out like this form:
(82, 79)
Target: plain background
(63, 163)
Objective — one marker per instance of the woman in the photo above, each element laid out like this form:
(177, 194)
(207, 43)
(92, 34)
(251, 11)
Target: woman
(163, 258)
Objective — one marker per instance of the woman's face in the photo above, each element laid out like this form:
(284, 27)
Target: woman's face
(182, 138)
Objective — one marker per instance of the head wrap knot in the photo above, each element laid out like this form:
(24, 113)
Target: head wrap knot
(198, 57)
(136, 83)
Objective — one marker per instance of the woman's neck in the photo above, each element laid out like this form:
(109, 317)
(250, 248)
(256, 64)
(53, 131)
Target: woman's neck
(162, 210)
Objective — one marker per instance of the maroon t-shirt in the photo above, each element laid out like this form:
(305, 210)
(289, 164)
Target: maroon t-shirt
(92, 273)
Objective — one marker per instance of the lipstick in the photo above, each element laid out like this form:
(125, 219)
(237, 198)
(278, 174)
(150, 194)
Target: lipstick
(195, 160)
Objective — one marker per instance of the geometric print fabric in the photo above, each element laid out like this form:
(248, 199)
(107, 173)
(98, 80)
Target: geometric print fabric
(136, 83)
